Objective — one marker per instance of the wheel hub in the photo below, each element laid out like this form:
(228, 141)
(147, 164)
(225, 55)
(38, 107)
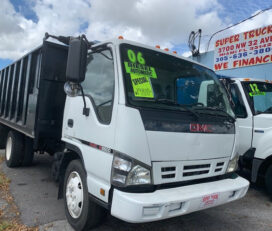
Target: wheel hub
(74, 194)
(8, 148)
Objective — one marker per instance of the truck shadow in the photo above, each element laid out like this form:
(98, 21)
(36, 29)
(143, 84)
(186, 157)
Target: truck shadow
(35, 184)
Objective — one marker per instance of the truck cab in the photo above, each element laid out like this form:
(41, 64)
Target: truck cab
(252, 100)
(146, 134)
(160, 139)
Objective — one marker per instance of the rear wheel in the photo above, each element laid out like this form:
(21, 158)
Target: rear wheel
(28, 152)
(3, 136)
(268, 180)
(81, 213)
(14, 149)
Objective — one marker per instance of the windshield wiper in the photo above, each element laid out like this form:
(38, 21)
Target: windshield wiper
(216, 109)
(172, 102)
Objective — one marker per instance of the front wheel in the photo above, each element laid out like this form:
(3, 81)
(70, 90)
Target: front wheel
(268, 180)
(80, 211)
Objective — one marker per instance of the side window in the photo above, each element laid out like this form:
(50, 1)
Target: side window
(99, 83)
(215, 96)
(239, 106)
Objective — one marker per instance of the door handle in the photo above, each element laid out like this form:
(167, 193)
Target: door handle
(70, 123)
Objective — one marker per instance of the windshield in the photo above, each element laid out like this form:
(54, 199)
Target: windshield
(259, 95)
(157, 80)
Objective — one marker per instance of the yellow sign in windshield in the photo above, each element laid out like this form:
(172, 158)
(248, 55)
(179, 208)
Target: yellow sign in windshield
(141, 86)
(140, 75)
(143, 70)
(255, 90)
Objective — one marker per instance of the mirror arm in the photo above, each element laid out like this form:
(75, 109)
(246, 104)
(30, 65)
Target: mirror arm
(86, 111)
(90, 44)
(62, 39)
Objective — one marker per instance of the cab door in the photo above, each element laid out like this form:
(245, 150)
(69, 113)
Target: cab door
(244, 117)
(93, 134)
(98, 88)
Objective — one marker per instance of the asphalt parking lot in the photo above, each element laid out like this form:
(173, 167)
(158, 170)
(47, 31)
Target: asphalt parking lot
(35, 193)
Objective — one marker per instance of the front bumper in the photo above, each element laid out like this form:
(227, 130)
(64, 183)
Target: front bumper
(166, 203)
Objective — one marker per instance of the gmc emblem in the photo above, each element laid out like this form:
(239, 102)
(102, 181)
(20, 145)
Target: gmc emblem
(200, 128)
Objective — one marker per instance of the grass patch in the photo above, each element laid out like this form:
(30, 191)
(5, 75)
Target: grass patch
(4, 188)
(14, 226)
(10, 224)
(4, 182)
(4, 225)
(2, 159)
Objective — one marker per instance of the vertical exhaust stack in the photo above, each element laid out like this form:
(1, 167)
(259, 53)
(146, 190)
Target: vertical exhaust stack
(191, 42)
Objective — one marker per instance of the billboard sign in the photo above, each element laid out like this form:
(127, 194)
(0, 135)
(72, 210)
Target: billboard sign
(249, 48)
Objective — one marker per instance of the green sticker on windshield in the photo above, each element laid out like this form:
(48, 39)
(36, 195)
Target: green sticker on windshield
(256, 93)
(140, 69)
(255, 90)
(141, 86)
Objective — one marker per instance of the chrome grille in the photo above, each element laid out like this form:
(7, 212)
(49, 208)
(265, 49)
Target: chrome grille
(168, 172)
(174, 171)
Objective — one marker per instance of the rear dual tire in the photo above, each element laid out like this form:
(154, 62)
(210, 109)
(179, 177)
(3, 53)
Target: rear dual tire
(19, 150)
(28, 152)
(3, 136)
(14, 149)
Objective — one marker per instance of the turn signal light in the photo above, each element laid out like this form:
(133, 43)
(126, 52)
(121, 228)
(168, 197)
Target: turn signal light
(120, 37)
(174, 52)
(102, 192)
(158, 46)
(247, 79)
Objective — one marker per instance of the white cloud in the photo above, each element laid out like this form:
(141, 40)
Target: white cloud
(259, 21)
(256, 22)
(187, 54)
(152, 21)
(19, 35)
(167, 23)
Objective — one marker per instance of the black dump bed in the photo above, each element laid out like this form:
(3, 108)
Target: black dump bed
(31, 93)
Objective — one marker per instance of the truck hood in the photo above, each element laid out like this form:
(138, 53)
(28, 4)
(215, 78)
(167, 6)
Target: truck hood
(174, 137)
(262, 133)
(263, 121)
(154, 136)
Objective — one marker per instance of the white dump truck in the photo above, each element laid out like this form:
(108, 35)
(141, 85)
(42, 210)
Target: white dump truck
(137, 131)
(252, 100)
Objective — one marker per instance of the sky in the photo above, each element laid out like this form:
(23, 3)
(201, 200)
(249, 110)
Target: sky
(165, 22)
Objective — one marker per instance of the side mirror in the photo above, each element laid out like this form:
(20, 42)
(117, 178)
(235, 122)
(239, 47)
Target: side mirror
(72, 89)
(240, 111)
(77, 58)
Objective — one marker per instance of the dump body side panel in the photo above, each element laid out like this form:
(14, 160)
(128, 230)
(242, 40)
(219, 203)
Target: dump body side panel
(17, 97)
(51, 99)
(31, 93)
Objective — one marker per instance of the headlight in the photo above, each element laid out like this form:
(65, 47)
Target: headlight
(127, 171)
(233, 164)
(138, 175)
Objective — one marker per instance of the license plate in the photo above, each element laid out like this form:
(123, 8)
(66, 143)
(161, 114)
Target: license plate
(209, 200)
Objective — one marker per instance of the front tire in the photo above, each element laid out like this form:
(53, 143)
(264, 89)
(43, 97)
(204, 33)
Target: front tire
(14, 152)
(80, 211)
(268, 180)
